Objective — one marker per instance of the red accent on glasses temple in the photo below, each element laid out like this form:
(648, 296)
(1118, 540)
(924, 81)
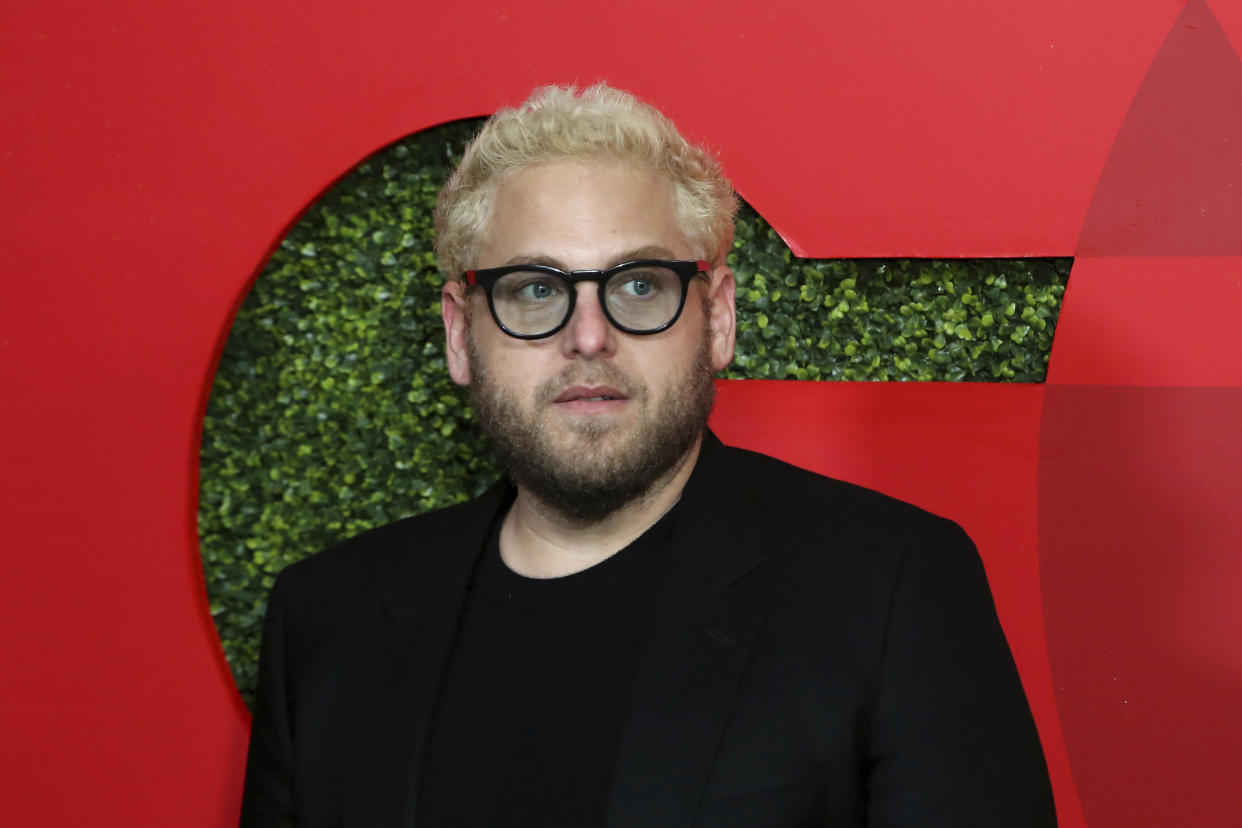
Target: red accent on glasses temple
(469, 274)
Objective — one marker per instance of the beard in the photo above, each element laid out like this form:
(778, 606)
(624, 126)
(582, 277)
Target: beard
(586, 468)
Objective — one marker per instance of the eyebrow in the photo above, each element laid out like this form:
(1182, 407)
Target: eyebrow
(648, 252)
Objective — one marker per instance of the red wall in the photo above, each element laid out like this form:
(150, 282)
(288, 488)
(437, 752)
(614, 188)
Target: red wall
(151, 153)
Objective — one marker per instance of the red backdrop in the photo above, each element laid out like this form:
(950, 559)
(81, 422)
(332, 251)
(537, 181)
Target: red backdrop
(151, 153)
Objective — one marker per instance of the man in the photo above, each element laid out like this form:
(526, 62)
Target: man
(641, 627)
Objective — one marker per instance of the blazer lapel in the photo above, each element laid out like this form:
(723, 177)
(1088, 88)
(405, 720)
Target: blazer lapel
(397, 673)
(693, 654)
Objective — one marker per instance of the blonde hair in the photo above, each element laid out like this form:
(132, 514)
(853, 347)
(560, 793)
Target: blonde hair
(560, 124)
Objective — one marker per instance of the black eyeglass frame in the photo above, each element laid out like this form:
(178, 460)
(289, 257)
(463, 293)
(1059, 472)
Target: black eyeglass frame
(685, 271)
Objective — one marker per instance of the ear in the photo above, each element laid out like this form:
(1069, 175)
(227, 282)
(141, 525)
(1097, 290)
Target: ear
(722, 321)
(456, 322)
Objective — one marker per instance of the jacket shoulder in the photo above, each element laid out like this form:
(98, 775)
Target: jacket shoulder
(415, 545)
(806, 498)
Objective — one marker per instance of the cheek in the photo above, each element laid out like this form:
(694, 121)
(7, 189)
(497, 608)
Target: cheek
(514, 365)
(666, 369)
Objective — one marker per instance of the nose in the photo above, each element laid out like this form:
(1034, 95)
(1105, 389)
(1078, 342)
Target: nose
(588, 333)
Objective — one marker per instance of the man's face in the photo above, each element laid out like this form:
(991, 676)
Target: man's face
(589, 418)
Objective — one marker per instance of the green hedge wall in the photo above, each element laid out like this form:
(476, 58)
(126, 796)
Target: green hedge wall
(332, 411)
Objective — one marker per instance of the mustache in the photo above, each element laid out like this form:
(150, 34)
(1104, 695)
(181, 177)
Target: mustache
(605, 373)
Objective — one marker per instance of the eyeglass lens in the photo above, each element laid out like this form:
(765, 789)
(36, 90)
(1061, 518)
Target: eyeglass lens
(639, 299)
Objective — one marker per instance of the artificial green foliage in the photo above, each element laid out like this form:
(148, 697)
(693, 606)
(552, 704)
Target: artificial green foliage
(332, 410)
(977, 320)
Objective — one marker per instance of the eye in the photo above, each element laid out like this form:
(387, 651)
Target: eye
(642, 284)
(637, 286)
(535, 288)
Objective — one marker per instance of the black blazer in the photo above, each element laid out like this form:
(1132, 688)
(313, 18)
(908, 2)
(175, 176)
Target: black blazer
(818, 654)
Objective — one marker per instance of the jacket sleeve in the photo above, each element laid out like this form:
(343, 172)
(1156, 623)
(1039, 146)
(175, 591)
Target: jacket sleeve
(953, 743)
(267, 801)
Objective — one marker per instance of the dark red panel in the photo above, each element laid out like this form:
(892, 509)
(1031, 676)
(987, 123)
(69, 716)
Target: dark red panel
(1139, 513)
(1173, 182)
(1139, 524)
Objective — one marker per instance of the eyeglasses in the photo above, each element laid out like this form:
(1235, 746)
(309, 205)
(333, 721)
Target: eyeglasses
(532, 301)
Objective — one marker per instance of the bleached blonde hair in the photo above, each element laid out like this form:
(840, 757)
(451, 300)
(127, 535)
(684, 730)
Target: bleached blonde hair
(560, 123)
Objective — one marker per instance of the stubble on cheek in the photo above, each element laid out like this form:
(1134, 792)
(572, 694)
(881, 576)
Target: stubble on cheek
(569, 463)
(508, 421)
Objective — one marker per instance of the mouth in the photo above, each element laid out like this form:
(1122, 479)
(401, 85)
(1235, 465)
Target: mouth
(595, 396)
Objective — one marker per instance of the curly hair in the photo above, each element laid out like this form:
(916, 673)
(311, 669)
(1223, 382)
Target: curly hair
(562, 124)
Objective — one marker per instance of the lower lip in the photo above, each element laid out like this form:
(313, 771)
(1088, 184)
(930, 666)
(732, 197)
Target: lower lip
(592, 406)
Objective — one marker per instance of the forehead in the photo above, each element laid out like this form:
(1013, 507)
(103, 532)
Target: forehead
(581, 215)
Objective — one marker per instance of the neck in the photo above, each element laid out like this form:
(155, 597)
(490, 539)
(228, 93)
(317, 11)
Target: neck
(539, 542)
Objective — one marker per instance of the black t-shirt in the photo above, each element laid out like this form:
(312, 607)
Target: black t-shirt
(527, 717)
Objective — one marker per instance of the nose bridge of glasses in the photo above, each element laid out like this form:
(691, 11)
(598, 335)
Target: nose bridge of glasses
(581, 282)
(577, 277)
(588, 327)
